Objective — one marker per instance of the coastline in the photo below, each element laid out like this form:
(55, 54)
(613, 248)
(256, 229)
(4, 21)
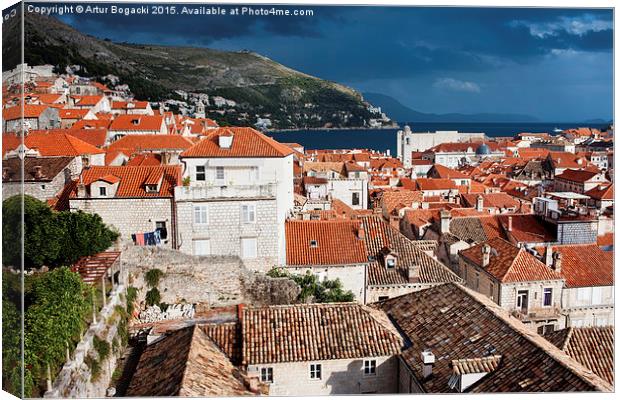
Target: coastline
(348, 128)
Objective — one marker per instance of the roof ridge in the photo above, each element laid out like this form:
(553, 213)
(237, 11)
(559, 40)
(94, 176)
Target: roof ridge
(551, 350)
(569, 334)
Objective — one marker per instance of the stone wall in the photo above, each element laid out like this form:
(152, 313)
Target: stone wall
(129, 215)
(75, 380)
(225, 229)
(344, 376)
(213, 280)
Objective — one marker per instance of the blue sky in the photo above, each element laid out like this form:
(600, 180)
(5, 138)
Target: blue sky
(554, 64)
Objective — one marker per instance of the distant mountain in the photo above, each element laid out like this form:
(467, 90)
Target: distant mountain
(399, 112)
(257, 85)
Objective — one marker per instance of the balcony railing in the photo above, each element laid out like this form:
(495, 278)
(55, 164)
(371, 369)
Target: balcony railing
(537, 313)
(208, 192)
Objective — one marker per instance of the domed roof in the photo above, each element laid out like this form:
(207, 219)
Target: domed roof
(483, 149)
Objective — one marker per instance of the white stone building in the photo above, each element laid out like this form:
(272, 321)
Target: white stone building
(409, 141)
(132, 200)
(237, 194)
(321, 349)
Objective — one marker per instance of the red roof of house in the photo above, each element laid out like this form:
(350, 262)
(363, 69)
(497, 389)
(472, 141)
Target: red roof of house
(527, 228)
(92, 123)
(246, 142)
(133, 179)
(397, 199)
(95, 137)
(144, 159)
(491, 200)
(137, 143)
(59, 144)
(129, 122)
(129, 105)
(575, 175)
(447, 173)
(72, 113)
(508, 263)
(586, 265)
(10, 142)
(604, 191)
(435, 184)
(30, 111)
(337, 243)
(87, 100)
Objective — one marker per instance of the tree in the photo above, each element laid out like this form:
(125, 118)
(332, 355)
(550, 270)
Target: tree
(313, 290)
(54, 320)
(41, 232)
(50, 238)
(11, 333)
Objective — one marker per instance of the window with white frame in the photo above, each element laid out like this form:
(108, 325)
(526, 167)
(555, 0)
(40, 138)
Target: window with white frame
(315, 371)
(219, 173)
(547, 297)
(248, 213)
(266, 374)
(370, 367)
(201, 214)
(200, 173)
(249, 248)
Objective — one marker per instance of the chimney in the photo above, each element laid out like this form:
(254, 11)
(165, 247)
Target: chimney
(445, 218)
(413, 273)
(548, 256)
(361, 232)
(225, 140)
(479, 203)
(509, 224)
(428, 359)
(557, 261)
(81, 190)
(486, 255)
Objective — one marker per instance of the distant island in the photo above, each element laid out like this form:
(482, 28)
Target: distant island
(399, 112)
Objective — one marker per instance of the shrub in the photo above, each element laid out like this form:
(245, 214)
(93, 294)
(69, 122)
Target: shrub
(102, 347)
(326, 291)
(152, 277)
(153, 297)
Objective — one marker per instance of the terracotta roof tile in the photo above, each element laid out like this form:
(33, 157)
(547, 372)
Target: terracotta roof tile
(30, 111)
(456, 323)
(593, 347)
(59, 144)
(575, 175)
(129, 122)
(324, 243)
(392, 201)
(603, 191)
(509, 263)
(138, 143)
(133, 179)
(50, 167)
(247, 142)
(308, 332)
(186, 363)
(586, 265)
(72, 113)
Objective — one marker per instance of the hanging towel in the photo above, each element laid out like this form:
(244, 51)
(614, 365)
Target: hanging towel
(140, 238)
(133, 237)
(157, 237)
(150, 239)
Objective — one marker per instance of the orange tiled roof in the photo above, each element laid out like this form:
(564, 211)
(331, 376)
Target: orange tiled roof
(309, 332)
(72, 113)
(575, 175)
(247, 142)
(59, 144)
(92, 123)
(491, 200)
(603, 191)
(605, 240)
(10, 142)
(337, 243)
(95, 137)
(129, 122)
(129, 105)
(509, 263)
(397, 199)
(133, 179)
(586, 265)
(434, 184)
(30, 111)
(137, 143)
(446, 173)
(87, 100)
